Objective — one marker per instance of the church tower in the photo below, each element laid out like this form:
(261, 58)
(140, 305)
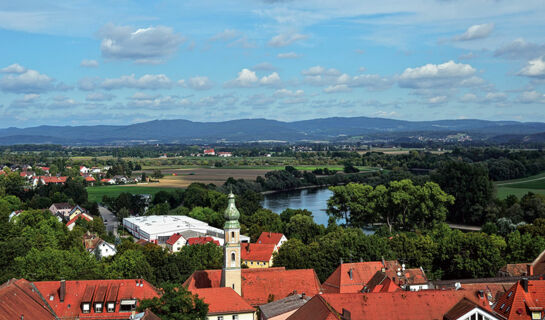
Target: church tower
(231, 274)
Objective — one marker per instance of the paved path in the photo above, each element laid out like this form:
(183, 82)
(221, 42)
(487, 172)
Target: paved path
(517, 182)
(110, 220)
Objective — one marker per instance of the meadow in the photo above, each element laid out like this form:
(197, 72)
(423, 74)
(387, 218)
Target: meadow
(520, 187)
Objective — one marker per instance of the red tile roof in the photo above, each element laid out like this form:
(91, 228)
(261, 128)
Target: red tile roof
(270, 238)
(462, 308)
(223, 301)
(90, 179)
(340, 282)
(94, 291)
(256, 251)
(399, 305)
(517, 304)
(202, 240)
(258, 285)
(173, 238)
(19, 299)
(48, 180)
(79, 216)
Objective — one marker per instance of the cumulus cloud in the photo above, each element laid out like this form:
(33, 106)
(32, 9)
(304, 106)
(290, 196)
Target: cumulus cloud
(495, 97)
(287, 55)
(199, 83)
(468, 97)
(436, 75)
(88, 83)
(534, 69)
(520, 49)
(532, 97)
(285, 39)
(27, 100)
(21, 80)
(147, 81)
(225, 35)
(99, 96)
(145, 45)
(247, 78)
(89, 63)
(286, 93)
(437, 100)
(335, 81)
(477, 31)
(337, 88)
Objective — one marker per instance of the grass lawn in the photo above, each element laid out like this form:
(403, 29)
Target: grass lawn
(520, 187)
(96, 193)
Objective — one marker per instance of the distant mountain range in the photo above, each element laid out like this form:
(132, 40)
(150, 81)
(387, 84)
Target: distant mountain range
(248, 130)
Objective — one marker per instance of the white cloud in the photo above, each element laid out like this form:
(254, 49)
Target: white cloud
(535, 68)
(22, 80)
(89, 63)
(320, 71)
(285, 39)
(437, 100)
(532, 97)
(200, 83)
(285, 93)
(495, 97)
(242, 42)
(247, 78)
(477, 31)
(520, 49)
(14, 68)
(337, 88)
(88, 83)
(468, 97)
(147, 81)
(146, 45)
(288, 55)
(99, 96)
(435, 75)
(225, 35)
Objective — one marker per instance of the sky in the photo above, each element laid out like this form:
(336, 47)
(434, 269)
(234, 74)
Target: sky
(91, 62)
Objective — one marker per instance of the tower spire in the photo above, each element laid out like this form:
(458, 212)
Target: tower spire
(231, 273)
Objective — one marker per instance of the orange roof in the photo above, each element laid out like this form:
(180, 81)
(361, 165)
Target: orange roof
(19, 299)
(260, 284)
(48, 180)
(256, 251)
(399, 305)
(223, 301)
(80, 215)
(94, 291)
(202, 240)
(90, 179)
(270, 238)
(517, 303)
(340, 281)
(173, 238)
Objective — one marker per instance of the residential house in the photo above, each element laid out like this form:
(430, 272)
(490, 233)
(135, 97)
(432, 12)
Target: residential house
(272, 238)
(202, 240)
(225, 154)
(95, 170)
(19, 299)
(98, 247)
(537, 267)
(90, 180)
(283, 308)
(257, 255)
(61, 209)
(44, 180)
(146, 315)
(525, 300)
(14, 214)
(120, 179)
(399, 305)
(95, 299)
(44, 169)
(72, 223)
(175, 242)
(225, 304)
(107, 181)
(76, 210)
(209, 152)
(83, 170)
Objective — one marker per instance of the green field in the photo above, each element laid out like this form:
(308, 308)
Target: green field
(96, 193)
(520, 187)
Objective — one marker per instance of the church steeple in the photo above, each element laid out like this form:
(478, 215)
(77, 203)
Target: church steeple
(231, 273)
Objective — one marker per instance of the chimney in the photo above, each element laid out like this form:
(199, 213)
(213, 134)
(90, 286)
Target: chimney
(361, 259)
(351, 274)
(524, 284)
(346, 315)
(383, 263)
(529, 270)
(341, 260)
(303, 296)
(62, 291)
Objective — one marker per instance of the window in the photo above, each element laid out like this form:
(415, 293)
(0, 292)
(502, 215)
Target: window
(233, 259)
(127, 305)
(85, 308)
(98, 307)
(509, 294)
(220, 317)
(232, 236)
(536, 315)
(235, 317)
(503, 305)
(111, 307)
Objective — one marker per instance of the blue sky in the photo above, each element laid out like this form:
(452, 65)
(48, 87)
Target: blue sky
(119, 62)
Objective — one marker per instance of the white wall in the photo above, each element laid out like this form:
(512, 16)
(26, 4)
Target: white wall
(243, 316)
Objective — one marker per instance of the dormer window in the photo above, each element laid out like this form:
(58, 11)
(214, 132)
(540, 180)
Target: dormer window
(536, 315)
(86, 307)
(110, 307)
(98, 307)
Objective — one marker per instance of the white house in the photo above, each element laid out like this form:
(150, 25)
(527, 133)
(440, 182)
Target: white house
(104, 249)
(83, 170)
(175, 242)
(225, 304)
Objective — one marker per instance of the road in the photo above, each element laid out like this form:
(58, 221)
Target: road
(518, 182)
(110, 220)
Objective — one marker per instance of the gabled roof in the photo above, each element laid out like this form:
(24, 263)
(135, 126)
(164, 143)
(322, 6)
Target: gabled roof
(256, 251)
(19, 298)
(202, 240)
(269, 238)
(462, 308)
(90, 179)
(260, 285)
(352, 277)
(515, 269)
(62, 205)
(79, 216)
(399, 305)
(282, 306)
(223, 301)
(316, 309)
(92, 291)
(538, 265)
(173, 238)
(517, 303)
(380, 282)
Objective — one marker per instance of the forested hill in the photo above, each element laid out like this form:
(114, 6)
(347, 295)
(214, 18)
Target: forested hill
(245, 130)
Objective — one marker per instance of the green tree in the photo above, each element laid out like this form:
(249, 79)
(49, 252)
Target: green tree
(129, 265)
(303, 228)
(176, 303)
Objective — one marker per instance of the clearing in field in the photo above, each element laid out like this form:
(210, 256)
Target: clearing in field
(520, 187)
(96, 193)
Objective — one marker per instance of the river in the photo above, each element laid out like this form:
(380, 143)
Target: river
(314, 200)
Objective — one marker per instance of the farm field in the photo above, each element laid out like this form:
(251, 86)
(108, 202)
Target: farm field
(520, 187)
(96, 193)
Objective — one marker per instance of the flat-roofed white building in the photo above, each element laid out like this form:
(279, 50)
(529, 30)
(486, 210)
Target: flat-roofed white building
(158, 229)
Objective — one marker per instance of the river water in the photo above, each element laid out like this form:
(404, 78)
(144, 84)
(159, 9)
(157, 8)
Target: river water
(314, 200)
